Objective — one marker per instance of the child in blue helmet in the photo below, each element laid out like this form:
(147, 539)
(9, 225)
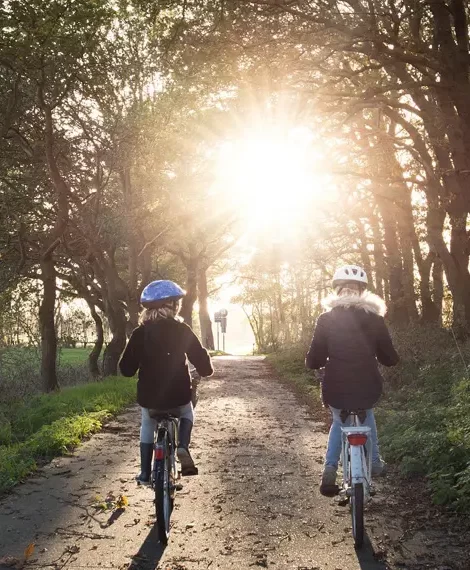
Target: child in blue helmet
(159, 348)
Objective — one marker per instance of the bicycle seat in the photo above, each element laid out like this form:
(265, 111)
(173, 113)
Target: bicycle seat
(160, 415)
(361, 414)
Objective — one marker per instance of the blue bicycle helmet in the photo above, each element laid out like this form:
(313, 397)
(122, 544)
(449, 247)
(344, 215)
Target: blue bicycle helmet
(157, 293)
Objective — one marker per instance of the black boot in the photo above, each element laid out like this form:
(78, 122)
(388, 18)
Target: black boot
(184, 438)
(146, 454)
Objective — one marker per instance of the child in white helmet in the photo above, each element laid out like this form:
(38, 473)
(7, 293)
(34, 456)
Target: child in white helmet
(350, 339)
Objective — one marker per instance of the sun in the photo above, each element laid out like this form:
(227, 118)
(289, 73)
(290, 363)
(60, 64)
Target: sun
(271, 179)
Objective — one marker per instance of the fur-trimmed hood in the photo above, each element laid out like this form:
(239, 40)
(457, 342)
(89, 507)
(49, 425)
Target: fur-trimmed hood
(368, 302)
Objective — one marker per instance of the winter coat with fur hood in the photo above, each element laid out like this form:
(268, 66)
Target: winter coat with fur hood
(350, 339)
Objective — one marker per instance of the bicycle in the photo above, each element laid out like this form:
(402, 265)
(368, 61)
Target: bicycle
(164, 474)
(356, 460)
(195, 380)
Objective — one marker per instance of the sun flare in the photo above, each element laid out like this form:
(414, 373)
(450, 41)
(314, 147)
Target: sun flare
(271, 179)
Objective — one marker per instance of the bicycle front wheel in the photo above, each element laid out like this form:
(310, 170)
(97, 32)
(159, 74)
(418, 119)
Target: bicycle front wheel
(163, 494)
(357, 513)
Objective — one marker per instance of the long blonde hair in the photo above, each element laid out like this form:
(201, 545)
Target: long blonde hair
(168, 311)
(349, 290)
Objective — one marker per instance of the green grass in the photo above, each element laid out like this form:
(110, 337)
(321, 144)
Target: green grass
(74, 355)
(49, 425)
(289, 364)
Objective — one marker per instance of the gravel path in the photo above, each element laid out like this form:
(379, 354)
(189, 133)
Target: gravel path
(255, 503)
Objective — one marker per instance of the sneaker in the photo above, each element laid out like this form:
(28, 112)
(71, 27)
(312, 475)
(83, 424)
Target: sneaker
(379, 468)
(187, 463)
(328, 486)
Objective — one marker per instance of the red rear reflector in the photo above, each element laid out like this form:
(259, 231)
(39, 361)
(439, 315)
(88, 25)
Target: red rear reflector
(357, 438)
(159, 453)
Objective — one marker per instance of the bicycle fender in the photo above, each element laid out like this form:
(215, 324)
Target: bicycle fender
(357, 473)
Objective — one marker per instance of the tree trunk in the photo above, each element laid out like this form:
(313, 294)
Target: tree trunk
(429, 311)
(190, 298)
(117, 324)
(379, 261)
(459, 252)
(438, 287)
(49, 378)
(93, 358)
(398, 312)
(453, 261)
(393, 201)
(207, 335)
(128, 191)
(365, 254)
(133, 304)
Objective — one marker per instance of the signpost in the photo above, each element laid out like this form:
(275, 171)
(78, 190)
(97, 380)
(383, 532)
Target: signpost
(220, 317)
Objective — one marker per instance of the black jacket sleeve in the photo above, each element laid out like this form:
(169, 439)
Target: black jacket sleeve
(385, 351)
(198, 355)
(318, 352)
(131, 358)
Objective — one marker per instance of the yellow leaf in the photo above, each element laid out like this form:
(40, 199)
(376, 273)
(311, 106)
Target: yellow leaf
(29, 551)
(122, 501)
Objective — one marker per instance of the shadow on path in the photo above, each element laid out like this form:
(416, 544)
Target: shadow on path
(150, 553)
(367, 558)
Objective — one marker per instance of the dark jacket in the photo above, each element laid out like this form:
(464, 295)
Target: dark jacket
(160, 350)
(349, 340)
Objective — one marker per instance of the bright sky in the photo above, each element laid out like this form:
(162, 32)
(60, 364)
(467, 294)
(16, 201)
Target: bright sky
(273, 178)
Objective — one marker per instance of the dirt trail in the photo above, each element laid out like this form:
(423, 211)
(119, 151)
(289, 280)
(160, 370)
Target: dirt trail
(255, 503)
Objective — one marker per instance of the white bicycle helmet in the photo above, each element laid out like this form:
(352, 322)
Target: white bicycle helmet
(348, 274)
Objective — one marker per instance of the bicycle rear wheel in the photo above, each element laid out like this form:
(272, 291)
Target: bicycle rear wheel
(163, 490)
(357, 514)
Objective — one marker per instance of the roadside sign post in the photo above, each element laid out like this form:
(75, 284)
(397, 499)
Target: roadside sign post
(220, 317)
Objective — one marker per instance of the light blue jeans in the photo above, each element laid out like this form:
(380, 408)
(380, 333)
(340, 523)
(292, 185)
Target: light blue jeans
(148, 425)
(333, 451)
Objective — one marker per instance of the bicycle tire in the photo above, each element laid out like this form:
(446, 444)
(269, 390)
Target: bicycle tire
(357, 514)
(163, 497)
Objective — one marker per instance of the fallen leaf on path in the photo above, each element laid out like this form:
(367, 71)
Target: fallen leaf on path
(122, 502)
(29, 551)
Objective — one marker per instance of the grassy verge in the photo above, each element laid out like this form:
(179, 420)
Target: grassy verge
(49, 425)
(289, 365)
(423, 418)
(74, 355)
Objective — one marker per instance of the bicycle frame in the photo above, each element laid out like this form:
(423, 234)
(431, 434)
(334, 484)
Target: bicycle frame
(164, 472)
(170, 427)
(356, 458)
(357, 466)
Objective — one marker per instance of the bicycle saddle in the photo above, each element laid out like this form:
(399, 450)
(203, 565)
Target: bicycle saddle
(164, 414)
(361, 414)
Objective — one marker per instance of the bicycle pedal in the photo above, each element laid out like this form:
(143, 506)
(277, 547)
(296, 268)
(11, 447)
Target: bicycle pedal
(343, 501)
